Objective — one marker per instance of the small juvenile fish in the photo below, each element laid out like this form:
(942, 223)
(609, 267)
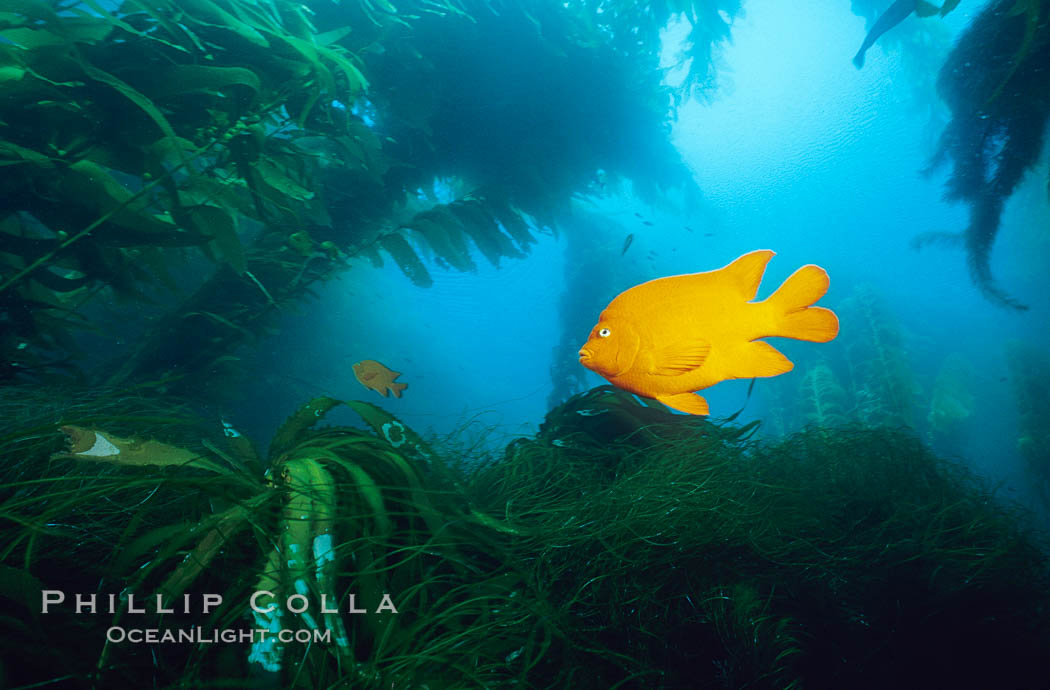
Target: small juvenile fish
(648, 223)
(627, 244)
(671, 336)
(379, 378)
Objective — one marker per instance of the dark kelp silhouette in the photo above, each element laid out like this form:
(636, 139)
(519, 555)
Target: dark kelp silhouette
(894, 15)
(997, 85)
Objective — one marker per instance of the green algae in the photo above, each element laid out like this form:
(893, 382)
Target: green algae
(622, 546)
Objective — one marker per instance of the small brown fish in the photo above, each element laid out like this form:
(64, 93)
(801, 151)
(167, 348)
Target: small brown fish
(379, 378)
(627, 244)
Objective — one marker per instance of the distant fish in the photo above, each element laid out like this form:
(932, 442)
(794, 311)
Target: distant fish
(897, 13)
(671, 336)
(379, 378)
(709, 234)
(627, 243)
(638, 215)
(687, 228)
(645, 222)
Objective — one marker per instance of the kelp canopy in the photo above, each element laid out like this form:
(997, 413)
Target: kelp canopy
(277, 139)
(996, 81)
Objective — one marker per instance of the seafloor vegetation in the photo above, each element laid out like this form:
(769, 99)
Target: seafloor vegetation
(622, 546)
(174, 173)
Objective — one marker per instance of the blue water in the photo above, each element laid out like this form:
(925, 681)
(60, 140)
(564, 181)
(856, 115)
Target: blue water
(799, 152)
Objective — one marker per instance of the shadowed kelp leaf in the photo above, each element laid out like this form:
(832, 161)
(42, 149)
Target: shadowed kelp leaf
(208, 14)
(303, 418)
(221, 226)
(388, 427)
(13, 154)
(132, 95)
(407, 259)
(484, 229)
(444, 234)
(183, 79)
(280, 178)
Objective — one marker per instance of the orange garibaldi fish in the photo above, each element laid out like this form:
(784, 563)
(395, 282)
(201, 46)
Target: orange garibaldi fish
(671, 336)
(379, 378)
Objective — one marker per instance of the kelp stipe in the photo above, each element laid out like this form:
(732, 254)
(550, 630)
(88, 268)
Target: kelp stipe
(952, 404)
(824, 399)
(883, 384)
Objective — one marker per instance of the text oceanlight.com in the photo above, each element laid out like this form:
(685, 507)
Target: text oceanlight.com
(196, 635)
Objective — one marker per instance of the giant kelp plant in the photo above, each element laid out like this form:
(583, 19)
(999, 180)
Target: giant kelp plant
(133, 134)
(870, 379)
(622, 546)
(874, 378)
(997, 86)
(281, 138)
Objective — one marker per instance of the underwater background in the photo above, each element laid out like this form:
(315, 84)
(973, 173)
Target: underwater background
(212, 211)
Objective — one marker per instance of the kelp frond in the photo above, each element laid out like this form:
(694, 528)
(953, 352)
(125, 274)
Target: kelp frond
(997, 86)
(130, 136)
